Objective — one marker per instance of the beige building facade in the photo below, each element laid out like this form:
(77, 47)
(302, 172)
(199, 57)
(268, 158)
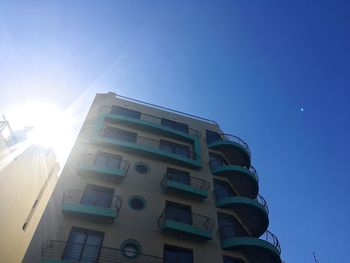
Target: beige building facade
(28, 175)
(148, 184)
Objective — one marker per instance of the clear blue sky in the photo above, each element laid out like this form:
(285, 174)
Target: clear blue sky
(250, 65)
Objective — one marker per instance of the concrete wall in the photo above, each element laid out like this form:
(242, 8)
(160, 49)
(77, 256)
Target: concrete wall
(26, 184)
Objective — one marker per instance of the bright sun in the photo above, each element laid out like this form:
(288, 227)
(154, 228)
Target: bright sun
(51, 127)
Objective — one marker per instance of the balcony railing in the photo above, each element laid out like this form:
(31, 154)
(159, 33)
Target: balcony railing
(153, 143)
(152, 119)
(55, 250)
(196, 220)
(228, 232)
(75, 197)
(227, 138)
(90, 159)
(194, 182)
(213, 164)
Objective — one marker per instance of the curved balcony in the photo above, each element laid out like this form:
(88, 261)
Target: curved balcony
(106, 212)
(149, 147)
(257, 250)
(88, 166)
(193, 188)
(245, 181)
(199, 228)
(234, 148)
(54, 252)
(147, 122)
(253, 213)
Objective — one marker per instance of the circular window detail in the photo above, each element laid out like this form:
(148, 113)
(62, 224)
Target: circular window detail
(137, 202)
(131, 249)
(142, 168)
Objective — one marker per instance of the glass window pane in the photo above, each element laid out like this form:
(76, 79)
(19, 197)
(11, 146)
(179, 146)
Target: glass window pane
(175, 125)
(118, 134)
(125, 112)
(178, 176)
(170, 255)
(212, 136)
(185, 256)
(88, 246)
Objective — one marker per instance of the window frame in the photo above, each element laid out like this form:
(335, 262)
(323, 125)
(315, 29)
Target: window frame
(178, 212)
(98, 198)
(178, 250)
(115, 132)
(108, 158)
(125, 112)
(175, 125)
(86, 232)
(178, 176)
(174, 147)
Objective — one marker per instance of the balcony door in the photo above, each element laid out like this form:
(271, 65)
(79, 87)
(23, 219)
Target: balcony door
(83, 246)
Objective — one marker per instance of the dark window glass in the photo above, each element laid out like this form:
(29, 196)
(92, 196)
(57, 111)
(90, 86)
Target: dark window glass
(175, 125)
(212, 136)
(222, 189)
(216, 160)
(118, 134)
(229, 227)
(177, 255)
(178, 212)
(226, 227)
(228, 259)
(83, 245)
(137, 203)
(126, 112)
(179, 149)
(142, 168)
(96, 195)
(178, 176)
(107, 160)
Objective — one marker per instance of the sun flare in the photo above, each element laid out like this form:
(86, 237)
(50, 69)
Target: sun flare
(48, 126)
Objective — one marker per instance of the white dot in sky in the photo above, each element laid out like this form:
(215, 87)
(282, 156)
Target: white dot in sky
(301, 109)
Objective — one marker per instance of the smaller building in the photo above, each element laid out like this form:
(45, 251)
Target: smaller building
(28, 175)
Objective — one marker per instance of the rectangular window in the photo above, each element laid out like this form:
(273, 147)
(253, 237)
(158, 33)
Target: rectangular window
(216, 160)
(178, 212)
(212, 136)
(97, 195)
(118, 134)
(178, 176)
(107, 160)
(83, 245)
(172, 147)
(229, 227)
(174, 254)
(125, 112)
(228, 259)
(175, 125)
(222, 189)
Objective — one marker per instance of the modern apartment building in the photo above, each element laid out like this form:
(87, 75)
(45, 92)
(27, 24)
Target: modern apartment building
(148, 184)
(28, 174)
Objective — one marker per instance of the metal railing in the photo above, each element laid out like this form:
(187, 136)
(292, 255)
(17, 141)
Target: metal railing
(261, 200)
(195, 220)
(150, 118)
(76, 197)
(79, 252)
(89, 158)
(219, 163)
(229, 232)
(154, 144)
(227, 138)
(193, 181)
